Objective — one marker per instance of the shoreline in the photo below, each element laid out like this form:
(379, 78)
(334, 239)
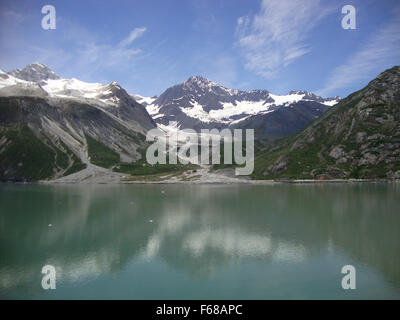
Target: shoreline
(242, 182)
(93, 175)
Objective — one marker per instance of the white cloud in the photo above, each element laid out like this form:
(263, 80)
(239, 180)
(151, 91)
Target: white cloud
(381, 51)
(107, 55)
(72, 48)
(135, 33)
(91, 54)
(276, 36)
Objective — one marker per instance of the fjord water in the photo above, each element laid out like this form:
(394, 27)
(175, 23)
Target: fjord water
(200, 241)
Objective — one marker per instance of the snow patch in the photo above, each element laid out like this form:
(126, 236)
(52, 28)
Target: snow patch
(9, 80)
(330, 103)
(197, 112)
(153, 109)
(284, 99)
(241, 108)
(146, 100)
(73, 87)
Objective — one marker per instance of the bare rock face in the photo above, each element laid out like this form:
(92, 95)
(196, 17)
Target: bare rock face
(368, 159)
(337, 152)
(376, 136)
(280, 165)
(361, 137)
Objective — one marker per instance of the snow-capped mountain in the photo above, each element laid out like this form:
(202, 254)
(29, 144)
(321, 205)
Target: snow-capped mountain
(64, 114)
(112, 97)
(200, 103)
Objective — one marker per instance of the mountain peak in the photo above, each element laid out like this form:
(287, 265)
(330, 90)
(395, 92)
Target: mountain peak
(37, 64)
(197, 78)
(299, 92)
(199, 81)
(34, 72)
(114, 85)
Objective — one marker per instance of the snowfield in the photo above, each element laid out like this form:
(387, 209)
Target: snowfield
(74, 88)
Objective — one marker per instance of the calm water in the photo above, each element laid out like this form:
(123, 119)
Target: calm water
(200, 241)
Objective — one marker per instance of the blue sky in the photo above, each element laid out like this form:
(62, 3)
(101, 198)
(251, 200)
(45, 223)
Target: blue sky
(147, 46)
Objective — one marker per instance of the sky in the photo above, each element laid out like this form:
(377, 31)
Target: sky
(148, 46)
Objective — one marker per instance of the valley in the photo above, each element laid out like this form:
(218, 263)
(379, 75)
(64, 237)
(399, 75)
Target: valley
(69, 131)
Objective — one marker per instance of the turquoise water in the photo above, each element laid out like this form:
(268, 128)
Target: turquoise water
(200, 241)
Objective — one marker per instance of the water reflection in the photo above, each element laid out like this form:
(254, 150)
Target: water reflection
(199, 230)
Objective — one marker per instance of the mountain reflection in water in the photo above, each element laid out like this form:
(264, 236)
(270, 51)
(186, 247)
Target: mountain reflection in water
(196, 231)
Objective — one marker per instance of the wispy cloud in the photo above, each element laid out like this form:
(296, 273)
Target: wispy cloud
(71, 47)
(381, 51)
(90, 54)
(105, 55)
(135, 33)
(96, 54)
(276, 36)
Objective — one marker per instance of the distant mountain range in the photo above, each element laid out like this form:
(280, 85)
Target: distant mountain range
(200, 103)
(51, 127)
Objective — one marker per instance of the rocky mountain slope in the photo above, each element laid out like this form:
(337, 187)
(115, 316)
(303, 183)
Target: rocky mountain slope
(357, 138)
(200, 103)
(52, 127)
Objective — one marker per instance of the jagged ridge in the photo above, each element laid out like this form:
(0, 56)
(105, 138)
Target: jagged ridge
(200, 103)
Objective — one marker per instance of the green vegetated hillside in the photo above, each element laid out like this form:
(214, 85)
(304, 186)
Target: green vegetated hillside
(33, 131)
(105, 157)
(25, 157)
(357, 138)
(101, 155)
